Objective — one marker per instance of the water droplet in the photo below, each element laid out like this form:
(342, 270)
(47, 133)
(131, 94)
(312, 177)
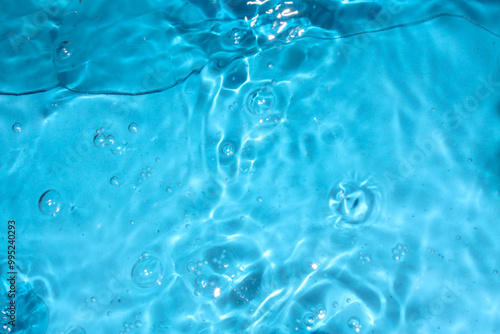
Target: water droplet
(17, 127)
(354, 204)
(114, 181)
(227, 148)
(64, 50)
(132, 127)
(147, 272)
(99, 140)
(261, 102)
(110, 140)
(50, 202)
(355, 324)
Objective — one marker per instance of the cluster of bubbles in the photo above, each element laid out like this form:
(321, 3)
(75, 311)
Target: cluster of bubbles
(354, 324)
(145, 174)
(399, 252)
(102, 140)
(50, 203)
(313, 317)
(147, 271)
(203, 286)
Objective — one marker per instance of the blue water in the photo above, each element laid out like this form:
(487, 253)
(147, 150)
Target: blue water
(261, 167)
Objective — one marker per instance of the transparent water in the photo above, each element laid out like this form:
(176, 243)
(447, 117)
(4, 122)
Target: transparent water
(251, 167)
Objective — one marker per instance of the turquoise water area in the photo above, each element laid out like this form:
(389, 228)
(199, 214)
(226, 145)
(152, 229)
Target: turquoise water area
(231, 166)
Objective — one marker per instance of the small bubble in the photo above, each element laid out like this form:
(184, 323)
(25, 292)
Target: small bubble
(348, 300)
(17, 127)
(99, 140)
(187, 226)
(50, 202)
(321, 312)
(261, 102)
(201, 281)
(335, 304)
(64, 50)
(169, 190)
(110, 140)
(132, 222)
(354, 323)
(458, 237)
(119, 149)
(308, 319)
(157, 160)
(138, 324)
(495, 272)
(227, 149)
(469, 160)
(270, 65)
(93, 300)
(259, 199)
(191, 266)
(114, 181)
(109, 313)
(132, 127)
(197, 292)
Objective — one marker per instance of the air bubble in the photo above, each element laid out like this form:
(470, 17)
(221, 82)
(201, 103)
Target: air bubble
(191, 266)
(75, 330)
(309, 319)
(17, 127)
(354, 204)
(114, 181)
(64, 50)
(201, 281)
(227, 149)
(110, 140)
(261, 102)
(321, 312)
(270, 65)
(147, 272)
(354, 323)
(138, 324)
(132, 127)
(99, 140)
(119, 149)
(169, 190)
(50, 202)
